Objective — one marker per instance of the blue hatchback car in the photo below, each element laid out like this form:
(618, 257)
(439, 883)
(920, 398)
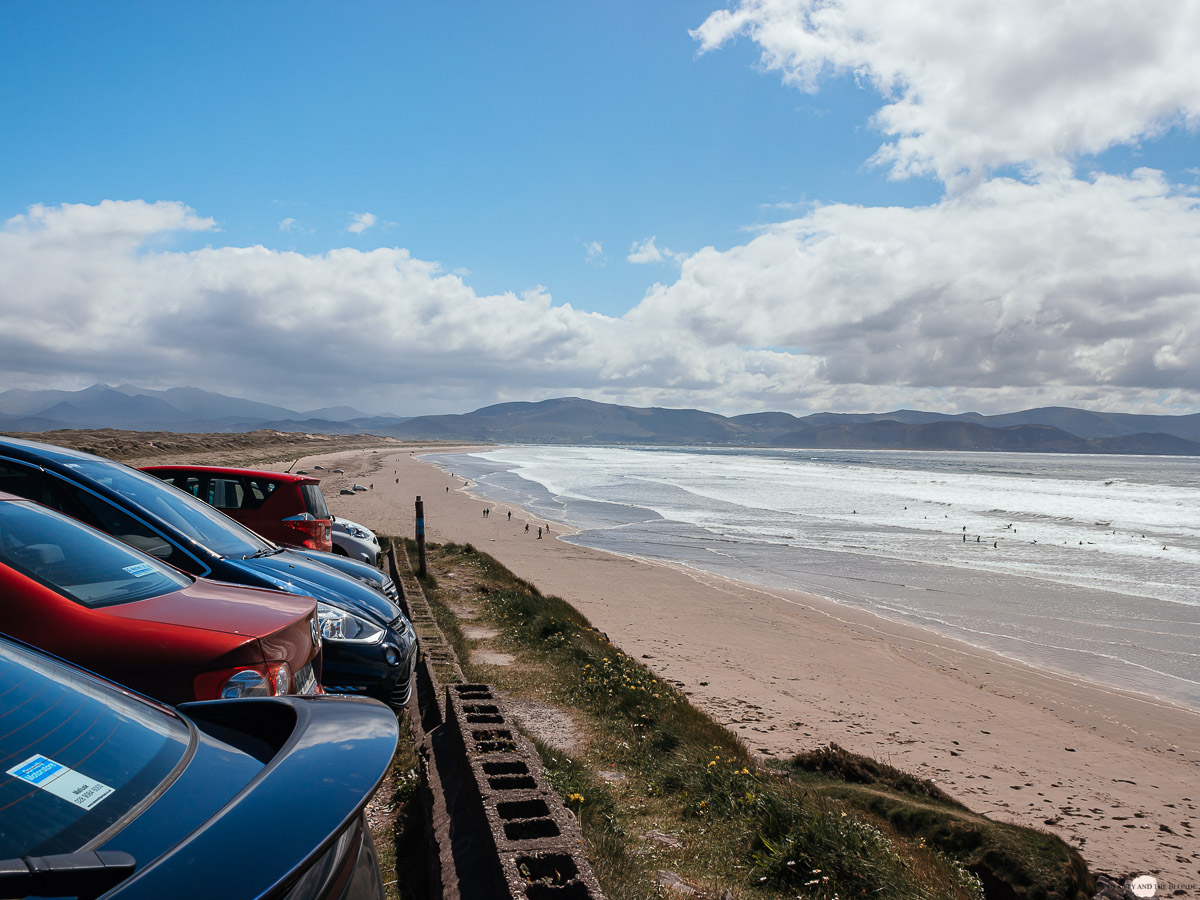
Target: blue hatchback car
(106, 793)
(369, 646)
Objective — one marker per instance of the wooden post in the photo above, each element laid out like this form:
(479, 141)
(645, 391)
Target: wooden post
(421, 537)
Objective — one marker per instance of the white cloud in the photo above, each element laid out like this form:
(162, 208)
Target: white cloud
(642, 252)
(974, 85)
(594, 252)
(1017, 294)
(1067, 284)
(287, 224)
(362, 221)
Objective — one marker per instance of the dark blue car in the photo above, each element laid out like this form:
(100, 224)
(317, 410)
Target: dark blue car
(370, 647)
(104, 792)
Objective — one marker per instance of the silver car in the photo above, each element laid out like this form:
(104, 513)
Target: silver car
(355, 541)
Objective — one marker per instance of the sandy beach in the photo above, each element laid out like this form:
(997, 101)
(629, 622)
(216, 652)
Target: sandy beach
(1115, 774)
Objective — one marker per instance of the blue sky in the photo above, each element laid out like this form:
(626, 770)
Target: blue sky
(710, 188)
(501, 140)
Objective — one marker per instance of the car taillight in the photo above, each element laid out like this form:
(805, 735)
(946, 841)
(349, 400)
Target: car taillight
(317, 532)
(270, 680)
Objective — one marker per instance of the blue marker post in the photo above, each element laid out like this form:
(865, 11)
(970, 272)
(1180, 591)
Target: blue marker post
(421, 537)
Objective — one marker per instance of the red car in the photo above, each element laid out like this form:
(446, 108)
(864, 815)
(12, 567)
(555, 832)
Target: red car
(287, 509)
(99, 603)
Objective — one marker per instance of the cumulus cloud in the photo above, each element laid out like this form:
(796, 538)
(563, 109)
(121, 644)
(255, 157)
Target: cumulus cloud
(1063, 283)
(362, 221)
(287, 224)
(594, 252)
(642, 252)
(1071, 292)
(974, 86)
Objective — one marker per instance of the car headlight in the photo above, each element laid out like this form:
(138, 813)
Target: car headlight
(339, 625)
(358, 532)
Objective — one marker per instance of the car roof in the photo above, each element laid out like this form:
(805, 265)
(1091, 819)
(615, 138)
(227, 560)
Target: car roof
(225, 470)
(49, 451)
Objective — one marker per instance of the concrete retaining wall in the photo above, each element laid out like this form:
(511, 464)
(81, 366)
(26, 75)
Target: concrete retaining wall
(494, 826)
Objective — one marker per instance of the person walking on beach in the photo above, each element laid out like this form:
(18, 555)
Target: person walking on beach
(527, 528)
(539, 532)
(510, 515)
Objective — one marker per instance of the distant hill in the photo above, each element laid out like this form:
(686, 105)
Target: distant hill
(571, 420)
(181, 409)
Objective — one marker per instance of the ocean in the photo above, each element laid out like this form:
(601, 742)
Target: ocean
(1083, 564)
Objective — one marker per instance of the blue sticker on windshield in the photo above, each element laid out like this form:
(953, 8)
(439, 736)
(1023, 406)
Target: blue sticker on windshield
(61, 781)
(139, 569)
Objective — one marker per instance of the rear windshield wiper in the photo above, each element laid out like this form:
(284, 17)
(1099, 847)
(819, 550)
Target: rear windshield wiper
(84, 875)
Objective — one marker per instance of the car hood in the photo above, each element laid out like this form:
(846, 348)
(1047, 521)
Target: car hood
(297, 575)
(346, 524)
(229, 609)
(359, 571)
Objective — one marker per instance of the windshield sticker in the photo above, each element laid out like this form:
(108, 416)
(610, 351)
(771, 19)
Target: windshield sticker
(137, 570)
(72, 786)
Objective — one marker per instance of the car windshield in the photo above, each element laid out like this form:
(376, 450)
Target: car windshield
(78, 562)
(76, 754)
(197, 520)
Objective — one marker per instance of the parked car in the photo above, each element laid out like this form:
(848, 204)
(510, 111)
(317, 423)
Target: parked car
(369, 646)
(89, 598)
(105, 792)
(258, 499)
(355, 541)
(287, 509)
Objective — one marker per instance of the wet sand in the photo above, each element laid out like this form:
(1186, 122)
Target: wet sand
(1115, 774)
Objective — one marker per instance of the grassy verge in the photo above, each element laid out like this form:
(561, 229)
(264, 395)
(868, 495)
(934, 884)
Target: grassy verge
(825, 824)
(397, 827)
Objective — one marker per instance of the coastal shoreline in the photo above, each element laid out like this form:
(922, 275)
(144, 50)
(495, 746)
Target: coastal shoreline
(1113, 773)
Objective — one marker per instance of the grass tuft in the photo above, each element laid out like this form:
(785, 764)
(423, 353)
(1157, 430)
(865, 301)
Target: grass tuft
(834, 762)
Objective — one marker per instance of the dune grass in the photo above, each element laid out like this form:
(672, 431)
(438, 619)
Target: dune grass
(825, 824)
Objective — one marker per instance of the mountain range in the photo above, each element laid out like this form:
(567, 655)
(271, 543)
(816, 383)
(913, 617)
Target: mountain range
(576, 421)
(180, 409)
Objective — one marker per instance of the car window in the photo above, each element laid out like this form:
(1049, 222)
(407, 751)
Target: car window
(194, 519)
(189, 483)
(314, 501)
(65, 497)
(226, 493)
(121, 525)
(24, 481)
(76, 754)
(83, 565)
(258, 489)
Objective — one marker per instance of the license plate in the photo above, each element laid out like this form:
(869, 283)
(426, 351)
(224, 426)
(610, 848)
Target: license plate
(306, 680)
